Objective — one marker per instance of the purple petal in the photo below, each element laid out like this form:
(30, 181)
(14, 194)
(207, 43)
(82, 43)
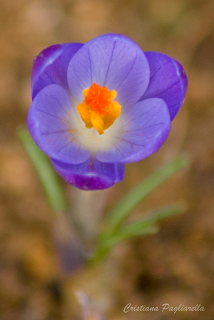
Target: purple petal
(49, 122)
(168, 81)
(50, 66)
(92, 174)
(113, 61)
(146, 127)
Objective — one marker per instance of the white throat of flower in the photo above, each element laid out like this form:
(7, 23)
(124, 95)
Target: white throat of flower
(89, 137)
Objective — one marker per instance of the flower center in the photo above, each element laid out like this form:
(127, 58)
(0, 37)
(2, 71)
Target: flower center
(97, 109)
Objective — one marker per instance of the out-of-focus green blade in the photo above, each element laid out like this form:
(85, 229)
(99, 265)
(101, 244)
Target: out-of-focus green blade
(45, 172)
(135, 228)
(141, 227)
(106, 244)
(136, 195)
(128, 233)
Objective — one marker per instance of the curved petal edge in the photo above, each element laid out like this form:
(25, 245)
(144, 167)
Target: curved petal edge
(50, 66)
(49, 123)
(146, 127)
(168, 81)
(90, 175)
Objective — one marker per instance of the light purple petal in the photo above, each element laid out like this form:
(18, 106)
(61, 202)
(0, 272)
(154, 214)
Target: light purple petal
(50, 66)
(168, 81)
(114, 61)
(145, 128)
(50, 125)
(92, 174)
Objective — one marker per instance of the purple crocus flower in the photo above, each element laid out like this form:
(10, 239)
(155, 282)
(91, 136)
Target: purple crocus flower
(100, 105)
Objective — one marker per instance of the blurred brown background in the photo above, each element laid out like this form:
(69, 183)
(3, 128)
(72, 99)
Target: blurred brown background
(176, 266)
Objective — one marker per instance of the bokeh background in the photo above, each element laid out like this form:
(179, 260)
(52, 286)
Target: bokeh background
(176, 266)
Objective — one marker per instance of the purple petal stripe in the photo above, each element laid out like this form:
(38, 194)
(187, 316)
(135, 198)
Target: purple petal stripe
(113, 61)
(146, 127)
(49, 122)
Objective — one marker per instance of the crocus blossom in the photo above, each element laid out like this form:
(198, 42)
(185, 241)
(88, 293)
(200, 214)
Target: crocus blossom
(99, 105)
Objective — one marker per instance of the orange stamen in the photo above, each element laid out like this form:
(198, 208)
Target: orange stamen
(98, 110)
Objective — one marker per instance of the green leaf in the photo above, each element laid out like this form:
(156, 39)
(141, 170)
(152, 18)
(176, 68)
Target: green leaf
(135, 196)
(45, 171)
(136, 228)
(127, 232)
(106, 243)
(140, 227)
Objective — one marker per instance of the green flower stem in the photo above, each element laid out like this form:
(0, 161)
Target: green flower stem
(45, 171)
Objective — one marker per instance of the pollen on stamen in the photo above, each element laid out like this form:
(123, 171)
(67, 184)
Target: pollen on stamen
(98, 109)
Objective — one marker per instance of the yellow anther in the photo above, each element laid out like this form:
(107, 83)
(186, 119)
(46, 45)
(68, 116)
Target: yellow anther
(98, 110)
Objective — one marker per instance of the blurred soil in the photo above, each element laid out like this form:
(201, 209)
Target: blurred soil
(176, 266)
